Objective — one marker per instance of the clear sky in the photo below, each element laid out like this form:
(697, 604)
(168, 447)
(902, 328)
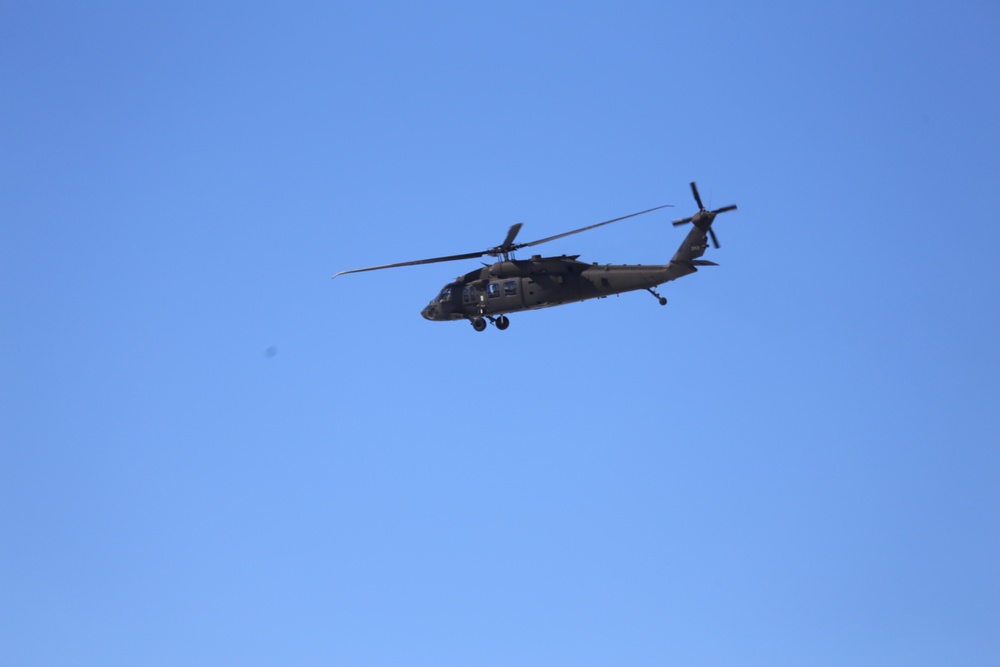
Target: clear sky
(212, 454)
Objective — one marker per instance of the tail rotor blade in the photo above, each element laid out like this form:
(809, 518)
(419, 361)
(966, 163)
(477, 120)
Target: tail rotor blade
(725, 208)
(715, 241)
(697, 197)
(682, 221)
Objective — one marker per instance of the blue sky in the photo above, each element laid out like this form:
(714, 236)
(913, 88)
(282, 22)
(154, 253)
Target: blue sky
(212, 454)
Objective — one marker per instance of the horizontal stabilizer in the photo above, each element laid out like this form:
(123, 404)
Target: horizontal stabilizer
(693, 263)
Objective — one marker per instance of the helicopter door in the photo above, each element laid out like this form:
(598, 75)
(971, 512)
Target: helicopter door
(504, 295)
(475, 299)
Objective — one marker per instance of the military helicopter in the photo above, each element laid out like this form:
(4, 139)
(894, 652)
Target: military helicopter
(511, 285)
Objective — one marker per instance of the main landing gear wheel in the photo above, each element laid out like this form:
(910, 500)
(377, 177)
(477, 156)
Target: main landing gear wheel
(479, 324)
(502, 322)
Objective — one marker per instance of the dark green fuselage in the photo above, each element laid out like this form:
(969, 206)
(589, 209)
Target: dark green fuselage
(542, 282)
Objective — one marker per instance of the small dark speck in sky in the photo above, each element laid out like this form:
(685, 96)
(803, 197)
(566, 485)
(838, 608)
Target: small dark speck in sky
(271, 352)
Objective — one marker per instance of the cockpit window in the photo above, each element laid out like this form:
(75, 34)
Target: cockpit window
(445, 294)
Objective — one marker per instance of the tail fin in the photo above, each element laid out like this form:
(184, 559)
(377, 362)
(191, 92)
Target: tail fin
(685, 261)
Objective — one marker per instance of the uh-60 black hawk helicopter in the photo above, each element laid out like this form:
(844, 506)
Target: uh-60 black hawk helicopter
(511, 285)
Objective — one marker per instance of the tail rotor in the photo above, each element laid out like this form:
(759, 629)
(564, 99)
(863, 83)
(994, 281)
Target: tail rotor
(703, 219)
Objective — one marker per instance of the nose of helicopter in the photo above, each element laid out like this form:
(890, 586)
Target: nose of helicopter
(430, 312)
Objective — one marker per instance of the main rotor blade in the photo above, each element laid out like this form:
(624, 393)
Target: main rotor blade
(433, 260)
(589, 227)
(697, 197)
(511, 235)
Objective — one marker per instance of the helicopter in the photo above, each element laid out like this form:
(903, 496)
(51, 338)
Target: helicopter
(510, 285)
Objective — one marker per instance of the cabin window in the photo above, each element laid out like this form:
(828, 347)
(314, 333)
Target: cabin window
(510, 288)
(494, 290)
